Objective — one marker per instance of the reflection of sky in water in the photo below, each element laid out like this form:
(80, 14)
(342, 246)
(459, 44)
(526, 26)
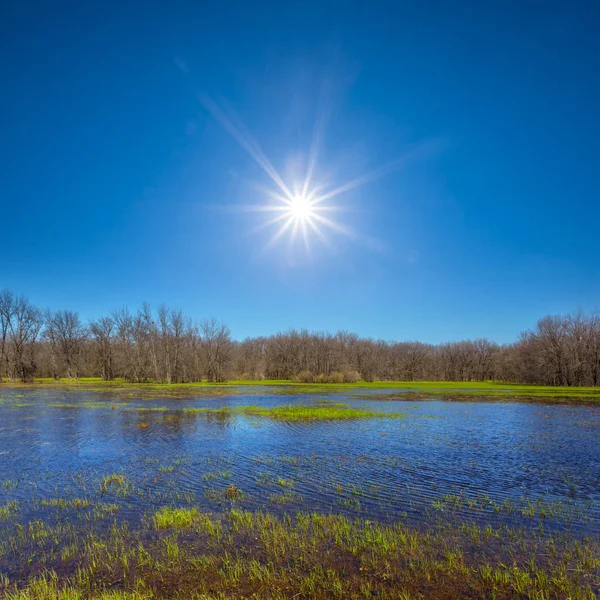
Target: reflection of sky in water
(374, 468)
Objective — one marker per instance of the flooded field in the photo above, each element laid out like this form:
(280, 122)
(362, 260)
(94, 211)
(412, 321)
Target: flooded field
(508, 485)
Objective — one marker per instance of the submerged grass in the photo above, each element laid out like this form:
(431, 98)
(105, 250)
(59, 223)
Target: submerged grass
(67, 503)
(182, 552)
(115, 481)
(8, 510)
(175, 518)
(186, 553)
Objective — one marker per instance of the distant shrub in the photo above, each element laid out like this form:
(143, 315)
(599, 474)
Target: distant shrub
(336, 377)
(351, 376)
(305, 377)
(251, 376)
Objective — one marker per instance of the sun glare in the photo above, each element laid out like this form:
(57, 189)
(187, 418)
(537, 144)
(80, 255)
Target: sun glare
(300, 208)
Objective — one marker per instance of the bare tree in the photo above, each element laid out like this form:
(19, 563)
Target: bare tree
(410, 361)
(217, 347)
(23, 330)
(486, 354)
(6, 314)
(124, 324)
(102, 335)
(250, 358)
(593, 349)
(551, 339)
(65, 327)
(146, 337)
(178, 329)
(166, 346)
(50, 335)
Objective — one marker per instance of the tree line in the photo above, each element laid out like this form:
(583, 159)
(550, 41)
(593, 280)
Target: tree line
(165, 345)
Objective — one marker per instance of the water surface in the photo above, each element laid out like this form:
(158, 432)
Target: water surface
(501, 461)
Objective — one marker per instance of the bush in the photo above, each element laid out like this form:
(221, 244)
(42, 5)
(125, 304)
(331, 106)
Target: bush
(333, 377)
(304, 377)
(336, 377)
(351, 376)
(250, 376)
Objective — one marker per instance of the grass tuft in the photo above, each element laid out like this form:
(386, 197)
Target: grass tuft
(175, 518)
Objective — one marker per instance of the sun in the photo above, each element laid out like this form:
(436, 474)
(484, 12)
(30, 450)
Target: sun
(297, 214)
(301, 208)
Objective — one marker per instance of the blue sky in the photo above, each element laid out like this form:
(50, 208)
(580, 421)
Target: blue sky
(118, 186)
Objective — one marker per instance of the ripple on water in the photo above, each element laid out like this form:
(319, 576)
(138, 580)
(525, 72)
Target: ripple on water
(503, 461)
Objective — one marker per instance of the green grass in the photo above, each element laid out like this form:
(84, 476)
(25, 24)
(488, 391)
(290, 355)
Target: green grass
(185, 553)
(8, 510)
(332, 412)
(175, 518)
(436, 388)
(67, 503)
(48, 587)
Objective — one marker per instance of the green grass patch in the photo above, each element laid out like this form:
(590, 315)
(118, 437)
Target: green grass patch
(8, 510)
(66, 503)
(174, 518)
(426, 388)
(332, 412)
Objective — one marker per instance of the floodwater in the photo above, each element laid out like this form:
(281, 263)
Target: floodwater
(83, 473)
(488, 461)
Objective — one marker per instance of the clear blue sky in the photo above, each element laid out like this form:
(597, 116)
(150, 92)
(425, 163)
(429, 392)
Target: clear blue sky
(117, 183)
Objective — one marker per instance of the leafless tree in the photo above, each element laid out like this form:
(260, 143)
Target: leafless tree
(50, 335)
(250, 358)
(68, 333)
(593, 349)
(217, 347)
(6, 315)
(551, 340)
(165, 346)
(126, 344)
(102, 335)
(23, 330)
(172, 328)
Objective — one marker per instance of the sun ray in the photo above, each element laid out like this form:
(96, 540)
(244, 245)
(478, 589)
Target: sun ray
(256, 208)
(334, 226)
(278, 234)
(276, 196)
(319, 233)
(379, 172)
(268, 192)
(270, 222)
(294, 230)
(317, 139)
(305, 235)
(245, 140)
(299, 206)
